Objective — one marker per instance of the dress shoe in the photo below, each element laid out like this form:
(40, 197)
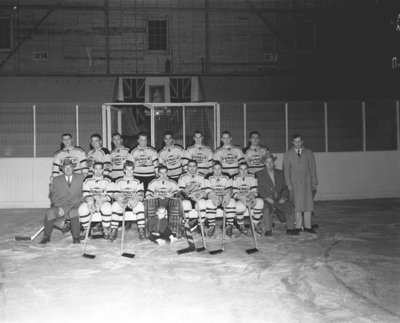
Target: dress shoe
(310, 230)
(268, 233)
(67, 227)
(293, 232)
(76, 240)
(45, 240)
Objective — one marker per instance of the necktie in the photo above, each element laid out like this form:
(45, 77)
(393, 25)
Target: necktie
(298, 152)
(69, 181)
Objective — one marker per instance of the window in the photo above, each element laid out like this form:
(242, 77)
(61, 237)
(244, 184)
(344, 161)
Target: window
(5, 34)
(305, 36)
(157, 34)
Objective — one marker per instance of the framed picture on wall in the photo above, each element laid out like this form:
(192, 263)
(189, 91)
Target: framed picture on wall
(157, 93)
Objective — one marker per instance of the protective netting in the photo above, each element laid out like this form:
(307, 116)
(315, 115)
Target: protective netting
(168, 118)
(199, 118)
(268, 118)
(345, 124)
(16, 131)
(380, 123)
(232, 119)
(90, 122)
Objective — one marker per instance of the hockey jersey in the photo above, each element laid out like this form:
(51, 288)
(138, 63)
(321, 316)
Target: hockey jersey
(230, 158)
(145, 160)
(118, 160)
(203, 155)
(97, 187)
(99, 155)
(172, 158)
(162, 189)
(244, 184)
(77, 156)
(255, 157)
(218, 184)
(191, 183)
(126, 188)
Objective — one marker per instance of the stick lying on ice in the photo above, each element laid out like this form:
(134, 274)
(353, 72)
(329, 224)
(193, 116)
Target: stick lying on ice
(31, 238)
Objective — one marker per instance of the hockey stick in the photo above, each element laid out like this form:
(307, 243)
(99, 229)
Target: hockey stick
(124, 254)
(255, 249)
(214, 252)
(31, 238)
(202, 231)
(189, 238)
(86, 255)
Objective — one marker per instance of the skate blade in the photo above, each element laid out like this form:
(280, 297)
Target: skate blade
(253, 250)
(200, 249)
(22, 238)
(128, 255)
(186, 250)
(214, 252)
(85, 255)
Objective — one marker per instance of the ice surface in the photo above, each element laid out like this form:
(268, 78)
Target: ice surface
(348, 272)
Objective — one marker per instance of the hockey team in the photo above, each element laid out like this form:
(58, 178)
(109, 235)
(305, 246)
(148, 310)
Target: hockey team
(173, 192)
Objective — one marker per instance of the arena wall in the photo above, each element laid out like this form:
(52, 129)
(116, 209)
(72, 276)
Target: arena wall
(344, 175)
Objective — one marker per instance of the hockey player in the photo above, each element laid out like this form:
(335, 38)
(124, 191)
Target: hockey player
(245, 191)
(98, 154)
(128, 195)
(97, 192)
(171, 155)
(228, 155)
(219, 191)
(254, 154)
(192, 187)
(75, 154)
(145, 159)
(161, 192)
(203, 155)
(118, 157)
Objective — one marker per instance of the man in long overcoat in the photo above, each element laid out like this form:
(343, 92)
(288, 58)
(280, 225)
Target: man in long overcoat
(301, 179)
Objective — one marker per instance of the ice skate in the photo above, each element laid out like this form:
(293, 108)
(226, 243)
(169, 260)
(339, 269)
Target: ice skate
(228, 230)
(142, 234)
(211, 231)
(114, 234)
(106, 233)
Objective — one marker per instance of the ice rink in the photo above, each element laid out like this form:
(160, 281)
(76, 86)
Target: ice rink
(348, 272)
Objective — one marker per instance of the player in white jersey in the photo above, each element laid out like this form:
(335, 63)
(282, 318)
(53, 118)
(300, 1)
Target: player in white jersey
(118, 157)
(254, 154)
(192, 187)
(74, 153)
(219, 191)
(145, 159)
(245, 191)
(128, 195)
(161, 192)
(171, 155)
(98, 154)
(228, 155)
(97, 191)
(203, 155)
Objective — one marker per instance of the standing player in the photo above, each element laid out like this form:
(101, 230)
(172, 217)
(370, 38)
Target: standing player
(245, 191)
(219, 191)
(192, 185)
(118, 157)
(203, 155)
(75, 154)
(161, 192)
(171, 156)
(98, 154)
(228, 155)
(145, 159)
(128, 195)
(97, 190)
(254, 154)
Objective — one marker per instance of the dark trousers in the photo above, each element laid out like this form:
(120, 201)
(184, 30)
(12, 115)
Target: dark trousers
(69, 213)
(164, 235)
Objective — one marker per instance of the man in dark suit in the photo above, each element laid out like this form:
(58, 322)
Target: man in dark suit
(273, 190)
(66, 196)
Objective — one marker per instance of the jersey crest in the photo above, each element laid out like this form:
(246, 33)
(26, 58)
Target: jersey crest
(229, 158)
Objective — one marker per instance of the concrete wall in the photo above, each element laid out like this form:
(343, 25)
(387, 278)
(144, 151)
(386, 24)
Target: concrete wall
(349, 175)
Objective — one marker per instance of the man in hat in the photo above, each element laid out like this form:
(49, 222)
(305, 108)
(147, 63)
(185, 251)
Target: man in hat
(66, 197)
(273, 190)
(301, 179)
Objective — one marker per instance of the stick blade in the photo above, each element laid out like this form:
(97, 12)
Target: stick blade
(128, 255)
(185, 250)
(214, 252)
(200, 249)
(22, 239)
(85, 255)
(253, 250)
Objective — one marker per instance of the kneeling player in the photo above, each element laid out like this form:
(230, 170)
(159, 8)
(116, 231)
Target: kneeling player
(245, 191)
(97, 198)
(219, 190)
(128, 195)
(192, 188)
